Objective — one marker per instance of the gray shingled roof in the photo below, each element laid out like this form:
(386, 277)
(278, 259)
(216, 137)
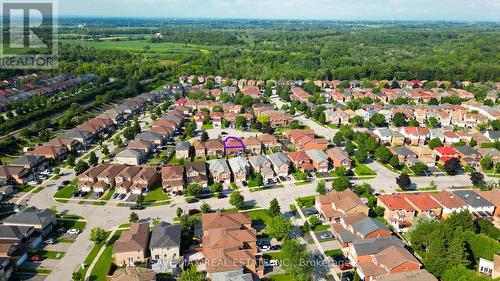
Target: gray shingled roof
(472, 198)
(165, 235)
(375, 245)
(31, 216)
(279, 159)
(367, 226)
(258, 160)
(218, 166)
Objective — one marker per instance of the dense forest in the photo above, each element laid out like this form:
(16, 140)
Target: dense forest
(314, 49)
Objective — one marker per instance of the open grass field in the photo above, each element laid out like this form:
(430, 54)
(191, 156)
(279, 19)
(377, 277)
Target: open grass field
(163, 51)
(103, 265)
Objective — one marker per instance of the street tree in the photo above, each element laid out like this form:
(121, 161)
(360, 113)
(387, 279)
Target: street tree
(205, 208)
(321, 187)
(236, 199)
(133, 217)
(341, 183)
(93, 160)
(274, 208)
(194, 190)
(81, 166)
(477, 178)
(452, 166)
(98, 235)
(403, 181)
(435, 142)
(279, 227)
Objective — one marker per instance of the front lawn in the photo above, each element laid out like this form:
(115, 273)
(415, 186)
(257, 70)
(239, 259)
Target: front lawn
(363, 170)
(207, 126)
(67, 191)
(334, 252)
(320, 227)
(69, 224)
(279, 277)
(259, 216)
(306, 202)
(156, 194)
(101, 268)
(91, 256)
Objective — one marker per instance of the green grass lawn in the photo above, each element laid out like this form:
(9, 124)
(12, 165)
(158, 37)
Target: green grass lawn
(156, 194)
(102, 266)
(69, 224)
(259, 216)
(321, 227)
(163, 50)
(33, 270)
(91, 256)
(363, 170)
(334, 252)
(306, 202)
(207, 126)
(67, 191)
(273, 256)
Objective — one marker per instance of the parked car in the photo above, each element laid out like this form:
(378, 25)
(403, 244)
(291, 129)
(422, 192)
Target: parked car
(49, 241)
(65, 182)
(326, 236)
(73, 231)
(115, 195)
(270, 263)
(345, 266)
(264, 248)
(137, 207)
(32, 183)
(310, 211)
(122, 196)
(275, 248)
(36, 258)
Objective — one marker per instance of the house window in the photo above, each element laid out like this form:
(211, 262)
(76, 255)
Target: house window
(157, 257)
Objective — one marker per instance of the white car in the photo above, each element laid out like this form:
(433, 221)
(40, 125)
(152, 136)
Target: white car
(32, 183)
(49, 241)
(264, 248)
(270, 263)
(73, 231)
(326, 236)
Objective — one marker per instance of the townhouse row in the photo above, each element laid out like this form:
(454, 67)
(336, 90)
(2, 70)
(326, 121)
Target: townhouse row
(401, 209)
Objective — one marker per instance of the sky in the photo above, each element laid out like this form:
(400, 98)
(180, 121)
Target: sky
(452, 10)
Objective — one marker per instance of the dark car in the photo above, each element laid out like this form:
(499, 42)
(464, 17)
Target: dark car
(193, 212)
(65, 182)
(275, 248)
(223, 133)
(137, 207)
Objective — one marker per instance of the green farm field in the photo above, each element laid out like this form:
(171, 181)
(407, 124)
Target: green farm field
(161, 51)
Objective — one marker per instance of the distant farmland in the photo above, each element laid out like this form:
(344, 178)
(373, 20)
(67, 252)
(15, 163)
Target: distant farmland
(162, 51)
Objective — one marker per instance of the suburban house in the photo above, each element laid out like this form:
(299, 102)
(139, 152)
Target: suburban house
(214, 147)
(230, 244)
(196, 173)
(173, 178)
(199, 149)
(424, 204)
(240, 168)
(299, 94)
(154, 137)
(494, 197)
(56, 153)
(269, 141)
(130, 157)
(261, 165)
(35, 164)
(41, 220)
(404, 154)
(124, 179)
(15, 175)
(88, 178)
(144, 180)
(85, 138)
(476, 204)
(252, 146)
(164, 246)
(468, 156)
(415, 135)
(339, 158)
(319, 160)
(449, 203)
(147, 147)
(69, 143)
(398, 212)
(280, 163)
(301, 161)
(336, 204)
(132, 246)
(358, 226)
(361, 250)
(182, 150)
(424, 154)
(106, 179)
(26, 237)
(413, 275)
(391, 260)
(219, 170)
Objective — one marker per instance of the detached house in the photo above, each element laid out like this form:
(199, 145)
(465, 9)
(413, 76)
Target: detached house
(398, 212)
(132, 246)
(415, 135)
(173, 178)
(336, 204)
(449, 203)
(319, 160)
(55, 153)
(196, 173)
(240, 168)
(165, 247)
(261, 165)
(280, 163)
(130, 157)
(41, 220)
(182, 150)
(219, 170)
(339, 158)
